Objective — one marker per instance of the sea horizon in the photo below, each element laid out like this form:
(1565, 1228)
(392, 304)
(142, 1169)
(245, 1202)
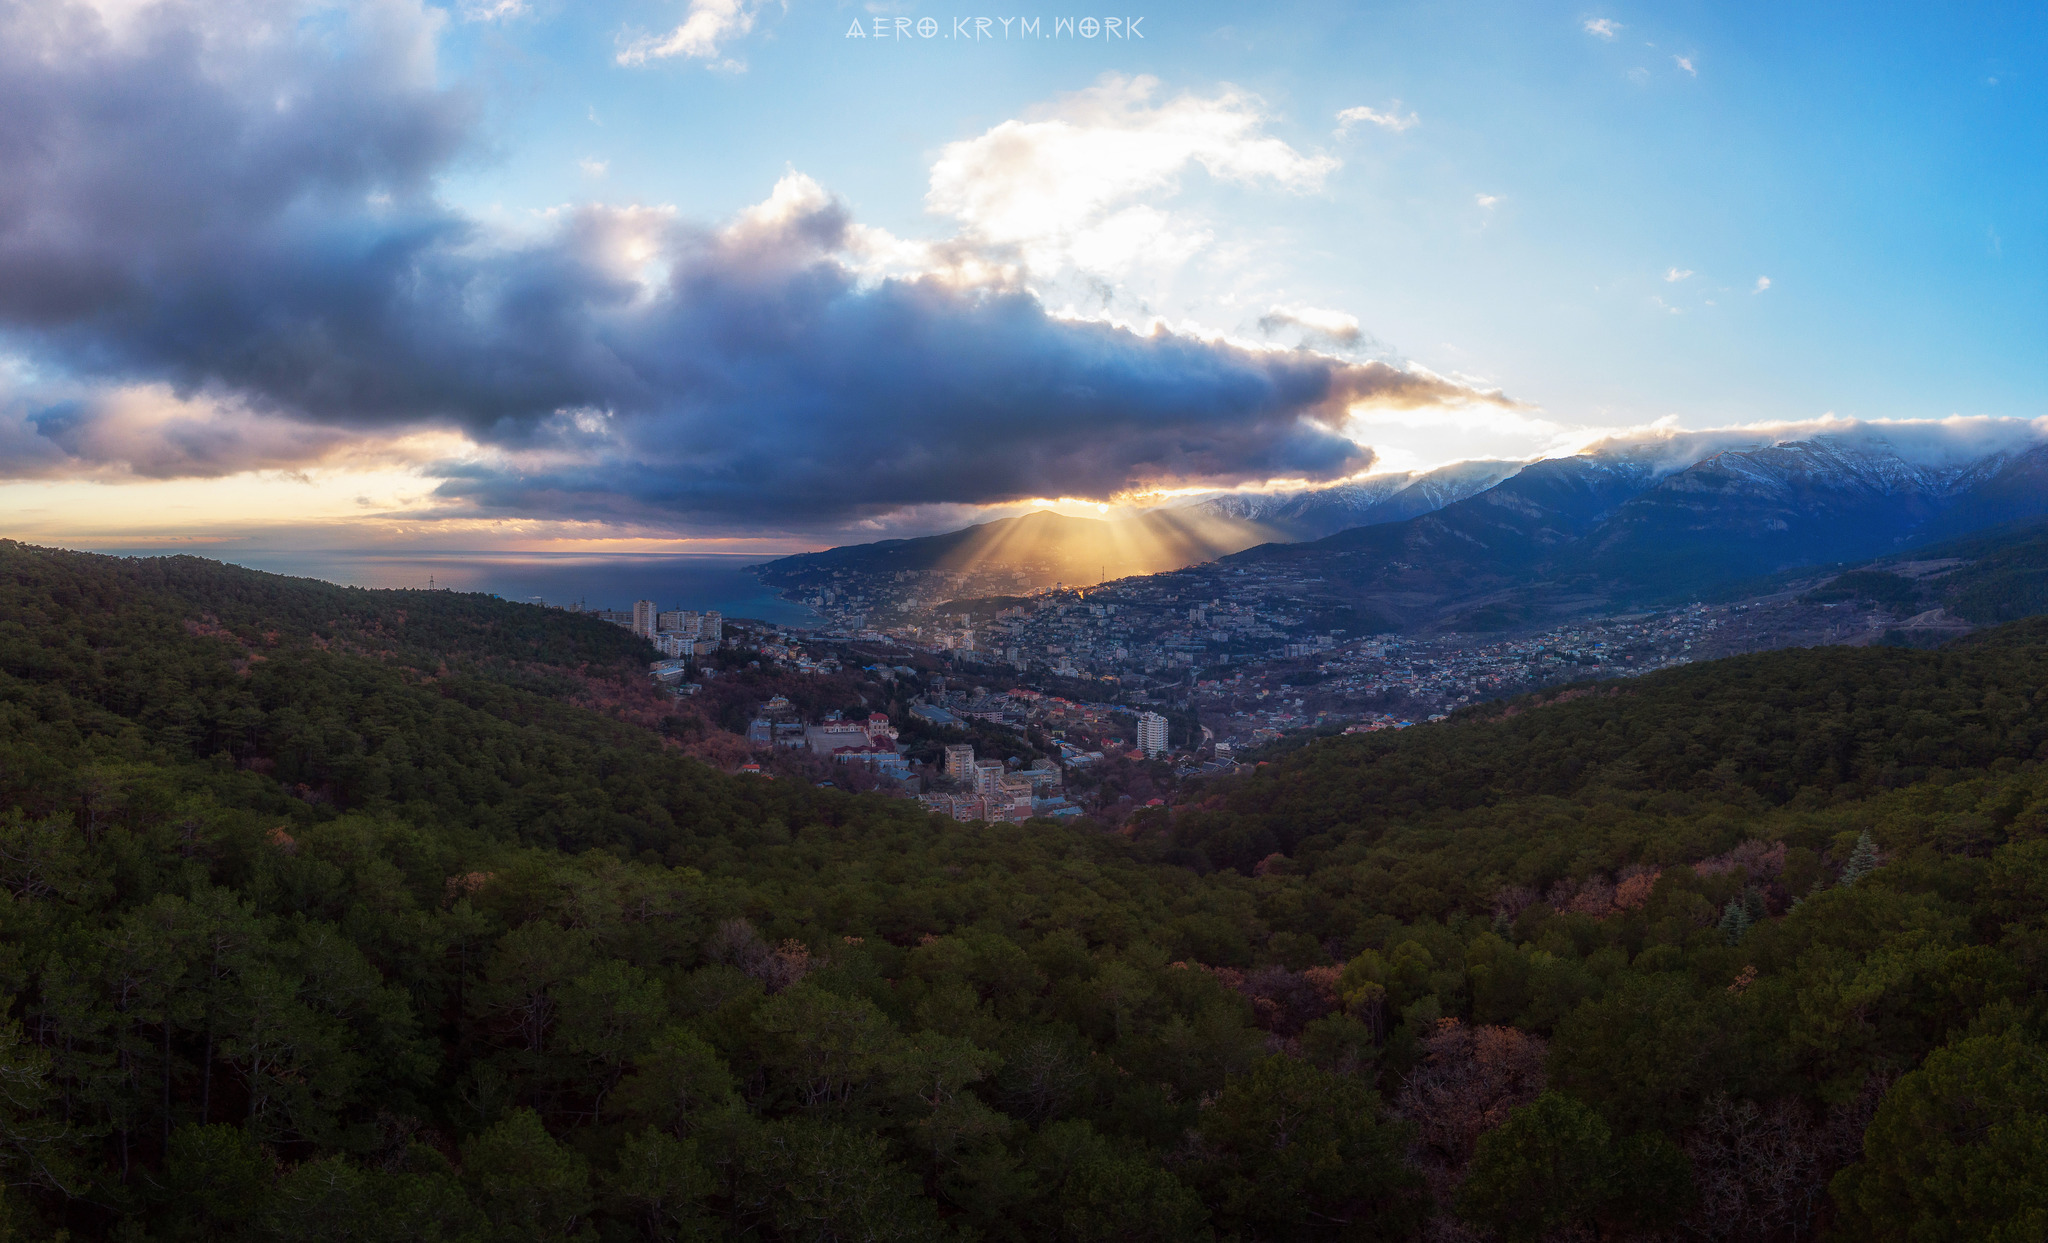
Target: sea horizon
(694, 580)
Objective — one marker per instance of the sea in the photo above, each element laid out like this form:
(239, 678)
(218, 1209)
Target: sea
(697, 581)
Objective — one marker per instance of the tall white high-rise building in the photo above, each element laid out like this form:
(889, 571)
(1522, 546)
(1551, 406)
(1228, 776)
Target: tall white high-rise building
(708, 626)
(986, 774)
(644, 616)
(960, 762)
(1152, 734)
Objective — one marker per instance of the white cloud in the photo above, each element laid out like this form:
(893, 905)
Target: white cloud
(151, 432)
(1762, 283)
(594, 167)
(1391, 119)
(1639, 75)
(1486, 200)
(1338, 327)
(1414, 440)
(1602, 27)
(1685, 63)
(493, 10)
(1676, 275)
(709, 25)
(1067, 188)
(1926, 442)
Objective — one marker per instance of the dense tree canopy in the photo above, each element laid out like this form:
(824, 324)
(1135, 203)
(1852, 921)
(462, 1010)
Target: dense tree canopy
(338, 914)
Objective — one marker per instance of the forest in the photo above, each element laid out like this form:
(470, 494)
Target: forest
(330, 914)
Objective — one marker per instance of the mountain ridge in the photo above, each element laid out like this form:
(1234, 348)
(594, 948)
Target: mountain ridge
(1570, 534)
(1628, 522)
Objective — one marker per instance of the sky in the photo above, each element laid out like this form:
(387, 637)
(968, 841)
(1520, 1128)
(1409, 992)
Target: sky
(723, 275)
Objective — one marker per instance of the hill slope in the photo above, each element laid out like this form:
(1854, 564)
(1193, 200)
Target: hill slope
(1039, 549)
(1607, 530)
(1318, 512)
(1028, 551)
(353, 914)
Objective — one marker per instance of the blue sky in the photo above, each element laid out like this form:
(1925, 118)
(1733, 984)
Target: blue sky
(1883, 166)
(1539, 223)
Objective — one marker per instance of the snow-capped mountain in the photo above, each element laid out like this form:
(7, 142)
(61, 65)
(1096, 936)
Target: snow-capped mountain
(1640, 522)
(1315, 512)
(1630, 520)
(1814, 501)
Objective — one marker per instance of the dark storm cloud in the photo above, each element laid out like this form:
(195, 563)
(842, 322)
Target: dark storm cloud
(238, 203)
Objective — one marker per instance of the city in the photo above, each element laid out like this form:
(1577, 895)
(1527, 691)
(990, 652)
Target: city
(1151, 682)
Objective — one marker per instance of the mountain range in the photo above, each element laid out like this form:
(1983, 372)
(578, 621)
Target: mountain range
(1313, 513)
(1571, 534)
(1485, 544)
(1045, 547)
(1029, 551)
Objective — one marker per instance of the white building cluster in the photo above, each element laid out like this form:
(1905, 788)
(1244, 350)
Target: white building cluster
(870, 741)
(990, 791)
(678, 633)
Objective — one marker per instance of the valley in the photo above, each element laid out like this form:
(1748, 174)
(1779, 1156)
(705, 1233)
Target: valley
(412, 915)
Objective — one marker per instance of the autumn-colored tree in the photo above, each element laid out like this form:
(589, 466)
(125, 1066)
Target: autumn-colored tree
(1762, 1171)
(1467, 1082)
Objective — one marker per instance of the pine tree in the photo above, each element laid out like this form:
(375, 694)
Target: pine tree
(1754, 903)
(1862, 861)
(1735, 920)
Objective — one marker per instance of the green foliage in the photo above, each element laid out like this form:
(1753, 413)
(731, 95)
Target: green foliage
(816, 1182)
(1302, 1153)
(334, 1200)
(329, 914)
(1959, 1149)
(1548, 1167)
(1890, 591)
(2004, 578)
(219, 1178)
(664, 1184)
(1555, 1166)
(1735, 920)
(1114, 1199)
(1862, 860)
(529, 1185)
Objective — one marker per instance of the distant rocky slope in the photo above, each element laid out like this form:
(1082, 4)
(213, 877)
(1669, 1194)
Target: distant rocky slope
(1500, 542)
(1573, 534)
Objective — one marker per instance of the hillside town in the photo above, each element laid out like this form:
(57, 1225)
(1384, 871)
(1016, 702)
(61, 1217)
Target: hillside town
(1183, 674)
(675, 633)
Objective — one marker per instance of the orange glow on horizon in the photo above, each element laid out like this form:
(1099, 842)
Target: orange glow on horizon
(1050, 546)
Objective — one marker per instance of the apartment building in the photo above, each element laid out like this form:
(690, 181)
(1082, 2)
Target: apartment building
(1152, 735)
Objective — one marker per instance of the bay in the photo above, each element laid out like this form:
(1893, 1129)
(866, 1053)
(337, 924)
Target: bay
(697, 581)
